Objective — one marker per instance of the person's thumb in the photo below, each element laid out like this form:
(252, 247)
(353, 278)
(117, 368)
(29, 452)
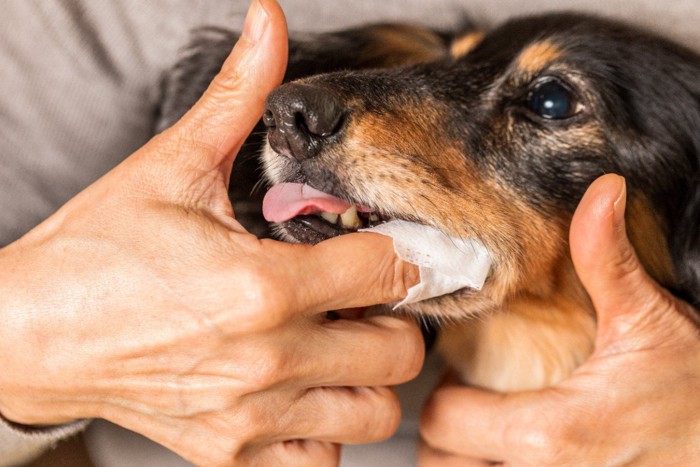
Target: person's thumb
(218, 124)
(624, 295)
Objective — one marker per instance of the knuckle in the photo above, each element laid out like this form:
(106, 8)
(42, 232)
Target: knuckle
(271, 367)
(410, 364)
(322, 454)
(431, 421)
(267, 304)
(291, 453)
(222, 447)
(406, 341)
(233, 76)
(225, 84)
(386, 416)
(230, 86)
(399, 277)
(221, 460)
(307, 453)
(413, 350)
(542, 443)
(626, 262)
(221, 456)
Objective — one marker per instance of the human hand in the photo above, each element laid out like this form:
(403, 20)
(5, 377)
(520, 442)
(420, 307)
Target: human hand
(144, 302)
(635, 401)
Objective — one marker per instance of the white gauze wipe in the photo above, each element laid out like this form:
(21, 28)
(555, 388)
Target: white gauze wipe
(445, 263)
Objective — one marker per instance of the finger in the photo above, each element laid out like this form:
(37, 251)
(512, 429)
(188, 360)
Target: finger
(229, 109)
(192, 441)
(212, 441)
(480, 424)
(606, 263)
(344, 272)
(376, 351)
(428, 456)
(343, 415)
(301, 453)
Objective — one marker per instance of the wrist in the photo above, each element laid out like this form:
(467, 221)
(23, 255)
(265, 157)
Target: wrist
(30, 393)
(13, 312)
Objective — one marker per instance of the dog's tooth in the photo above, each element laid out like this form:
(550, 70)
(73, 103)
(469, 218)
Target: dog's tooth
(350, 219)
(330, 217)
(373, 218)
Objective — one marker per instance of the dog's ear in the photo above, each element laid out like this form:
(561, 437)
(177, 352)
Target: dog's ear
(685, 236)
(374, 46)
(467, 37)
(465, 43)
(688, 248)
(684, 128)
(194, 69)
(654, 88)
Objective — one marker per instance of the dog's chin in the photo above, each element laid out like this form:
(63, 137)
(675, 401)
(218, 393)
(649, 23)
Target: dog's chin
(315, 228)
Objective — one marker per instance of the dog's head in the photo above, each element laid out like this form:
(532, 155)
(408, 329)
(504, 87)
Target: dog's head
(498, 140)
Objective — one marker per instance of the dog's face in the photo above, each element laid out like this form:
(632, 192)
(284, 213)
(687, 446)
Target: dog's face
(493, 137)
(498, 141)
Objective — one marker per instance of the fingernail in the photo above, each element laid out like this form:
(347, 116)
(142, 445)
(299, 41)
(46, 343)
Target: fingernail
(620, 203)
(255, 21)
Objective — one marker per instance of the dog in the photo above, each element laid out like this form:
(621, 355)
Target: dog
(487, 135)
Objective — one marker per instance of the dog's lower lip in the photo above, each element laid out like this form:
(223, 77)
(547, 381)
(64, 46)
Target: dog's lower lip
(315, 228)
(312, 229)
(320, 225)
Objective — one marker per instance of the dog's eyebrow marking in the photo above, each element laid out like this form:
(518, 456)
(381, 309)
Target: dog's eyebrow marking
(465, 44)
(537, 56)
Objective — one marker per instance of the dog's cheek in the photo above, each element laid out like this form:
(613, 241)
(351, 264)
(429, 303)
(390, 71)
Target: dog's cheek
(405, 164)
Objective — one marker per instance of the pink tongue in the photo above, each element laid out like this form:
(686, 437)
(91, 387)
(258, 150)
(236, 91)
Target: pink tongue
(288, 200)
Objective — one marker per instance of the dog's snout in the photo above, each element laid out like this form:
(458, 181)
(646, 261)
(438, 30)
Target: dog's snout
(301, 118)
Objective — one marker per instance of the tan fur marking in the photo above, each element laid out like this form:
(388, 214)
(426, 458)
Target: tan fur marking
(405, 44)
(532, 345)
(537, 56)
(465, 44)
(646, 233)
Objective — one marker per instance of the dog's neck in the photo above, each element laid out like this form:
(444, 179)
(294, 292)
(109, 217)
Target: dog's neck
(535, 340)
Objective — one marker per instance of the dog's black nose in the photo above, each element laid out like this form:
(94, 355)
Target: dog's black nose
(300, 118)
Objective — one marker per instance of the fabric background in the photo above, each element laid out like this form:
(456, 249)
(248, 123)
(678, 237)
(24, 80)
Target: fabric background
(80, 84)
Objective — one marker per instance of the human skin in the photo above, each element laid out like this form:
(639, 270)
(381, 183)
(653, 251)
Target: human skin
(633, 402)
(144, 302)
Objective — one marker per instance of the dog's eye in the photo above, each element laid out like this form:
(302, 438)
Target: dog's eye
(552, 99)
